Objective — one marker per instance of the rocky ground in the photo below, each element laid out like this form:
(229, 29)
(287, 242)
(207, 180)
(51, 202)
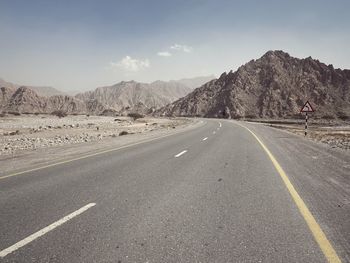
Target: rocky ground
(32, 132)
(334, 133)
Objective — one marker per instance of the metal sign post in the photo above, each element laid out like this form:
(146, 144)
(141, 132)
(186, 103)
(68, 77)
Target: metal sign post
(305, 123)
(306, 108)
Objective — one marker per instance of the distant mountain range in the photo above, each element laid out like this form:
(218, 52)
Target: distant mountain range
(26, 100)
(273, 86)
(121, 98)
(130, 94)
(41, 90)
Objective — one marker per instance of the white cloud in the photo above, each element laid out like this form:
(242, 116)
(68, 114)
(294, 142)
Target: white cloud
(131, 64)
(183, 48)
(164, 54)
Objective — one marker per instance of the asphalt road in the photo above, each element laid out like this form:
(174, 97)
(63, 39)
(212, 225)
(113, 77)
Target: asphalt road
(210, 194)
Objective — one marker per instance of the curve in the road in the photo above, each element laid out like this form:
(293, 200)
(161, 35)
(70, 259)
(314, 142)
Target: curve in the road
(315, 228)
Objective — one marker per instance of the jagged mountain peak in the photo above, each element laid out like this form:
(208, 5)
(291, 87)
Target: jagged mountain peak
(273, 86)
(276, 54)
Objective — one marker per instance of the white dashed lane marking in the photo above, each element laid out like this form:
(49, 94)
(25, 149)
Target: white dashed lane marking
(181, 153)
(43, 231)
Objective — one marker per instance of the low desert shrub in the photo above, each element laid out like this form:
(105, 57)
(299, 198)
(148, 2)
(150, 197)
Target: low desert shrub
(343, 116)
(135, 115)
(59, 113)
(14, 113)
(123, 133)
(251, 116)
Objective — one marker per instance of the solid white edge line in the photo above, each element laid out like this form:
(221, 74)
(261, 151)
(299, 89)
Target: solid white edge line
(220, 124)
(206, 138)
(43, 231)
(181, 153)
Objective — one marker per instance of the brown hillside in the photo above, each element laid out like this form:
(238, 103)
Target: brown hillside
(274, 86)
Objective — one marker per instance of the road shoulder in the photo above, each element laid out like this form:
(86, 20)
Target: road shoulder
(320, 175)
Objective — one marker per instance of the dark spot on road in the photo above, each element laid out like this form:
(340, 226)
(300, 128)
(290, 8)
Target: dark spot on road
(142, 244)
(220, 227)
(206, 244)
(119, 261)
(117, 247)
(220, 179)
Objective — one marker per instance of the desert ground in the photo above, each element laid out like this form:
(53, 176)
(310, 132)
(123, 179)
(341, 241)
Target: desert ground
(32, 132)
(32, 140)
(335, 133)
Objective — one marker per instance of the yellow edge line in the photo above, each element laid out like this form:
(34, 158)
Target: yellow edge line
(316, 230)
(87, 156)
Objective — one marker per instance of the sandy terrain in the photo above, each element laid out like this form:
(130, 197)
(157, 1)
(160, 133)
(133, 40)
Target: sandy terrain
(45, 140)
(30, 132)
(334, 133)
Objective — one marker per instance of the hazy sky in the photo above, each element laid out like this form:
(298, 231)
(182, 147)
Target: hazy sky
(79, 45)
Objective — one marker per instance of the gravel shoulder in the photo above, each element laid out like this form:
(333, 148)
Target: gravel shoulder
(38, 141)
(335, 134)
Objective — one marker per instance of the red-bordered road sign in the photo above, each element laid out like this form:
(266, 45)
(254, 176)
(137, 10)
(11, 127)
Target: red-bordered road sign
(307, 107)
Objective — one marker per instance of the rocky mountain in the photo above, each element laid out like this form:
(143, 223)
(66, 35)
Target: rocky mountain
(273, 86)
(40, 90)
(26, 100)
(5, 95)
(121, 98)
(131, 94)
(6, 84)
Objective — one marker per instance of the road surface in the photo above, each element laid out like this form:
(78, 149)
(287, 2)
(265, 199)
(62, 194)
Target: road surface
(211, 194)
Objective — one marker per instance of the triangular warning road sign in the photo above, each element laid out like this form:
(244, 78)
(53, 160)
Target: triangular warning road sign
(307, 107)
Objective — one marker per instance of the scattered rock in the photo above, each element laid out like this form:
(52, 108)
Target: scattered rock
(11, 133)
(53, 132)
